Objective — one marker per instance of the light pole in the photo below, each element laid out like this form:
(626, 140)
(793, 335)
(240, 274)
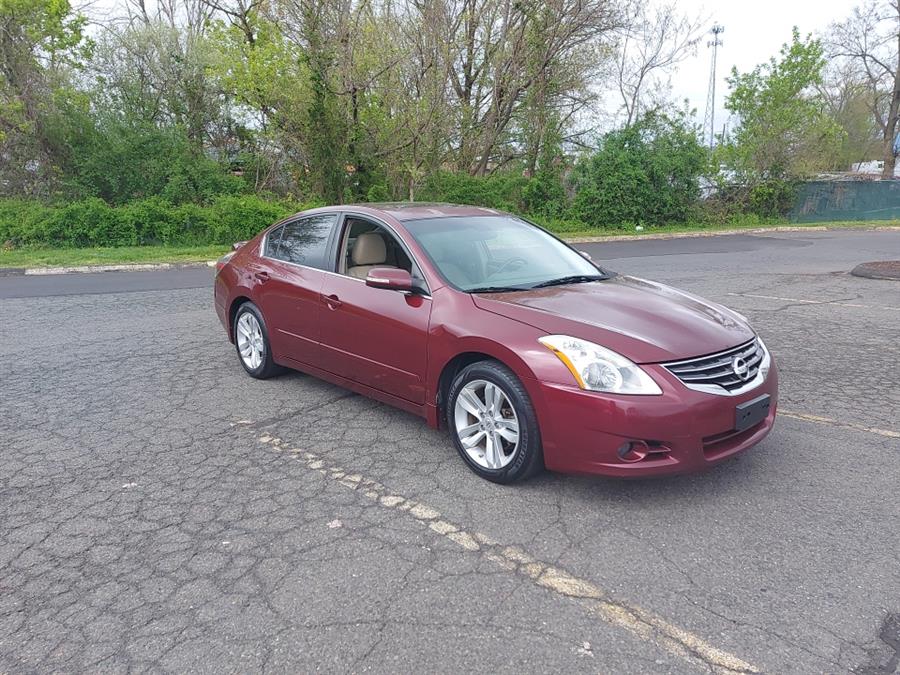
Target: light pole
(709, 122)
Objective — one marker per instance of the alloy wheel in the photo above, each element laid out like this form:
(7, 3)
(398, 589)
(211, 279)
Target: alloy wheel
(250, 341)
(486, 424)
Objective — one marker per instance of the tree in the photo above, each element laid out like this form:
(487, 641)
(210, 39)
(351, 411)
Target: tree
(504, 49)
(870, 40)
(648, 172)
(40, 40)
(848, 101)
(784, 130)
(654, 40)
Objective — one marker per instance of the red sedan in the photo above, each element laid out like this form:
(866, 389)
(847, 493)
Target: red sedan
(530, 354)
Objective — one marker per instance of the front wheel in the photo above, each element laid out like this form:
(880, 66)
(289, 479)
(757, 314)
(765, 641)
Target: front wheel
(493, 424)
(251, 339)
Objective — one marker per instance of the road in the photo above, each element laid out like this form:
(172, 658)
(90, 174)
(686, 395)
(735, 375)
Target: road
(160, 510)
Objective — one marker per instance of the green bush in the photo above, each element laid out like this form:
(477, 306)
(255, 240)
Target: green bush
(772, 198)
(121, 163)
(19, 219)
(239, 218)
(92, 222)
(88, 222)
(153, 220)
(498, 191)
(545, 195)
(378, 193)
(646, 173)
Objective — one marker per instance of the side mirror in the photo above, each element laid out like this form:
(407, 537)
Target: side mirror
(586, 255)
(390, 278)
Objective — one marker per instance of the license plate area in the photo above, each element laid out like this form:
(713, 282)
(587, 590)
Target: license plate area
(750, 413)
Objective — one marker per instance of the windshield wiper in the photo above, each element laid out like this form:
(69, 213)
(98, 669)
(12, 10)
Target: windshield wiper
(573, 279)
(496, 289)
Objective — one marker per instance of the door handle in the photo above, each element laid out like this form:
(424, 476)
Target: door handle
(261, 276)
(333, 301)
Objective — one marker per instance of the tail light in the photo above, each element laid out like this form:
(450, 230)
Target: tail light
(221, 262)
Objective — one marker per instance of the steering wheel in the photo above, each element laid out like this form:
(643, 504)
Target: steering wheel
(513, 263)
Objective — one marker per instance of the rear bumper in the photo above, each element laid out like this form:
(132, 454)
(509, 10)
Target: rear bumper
(582, 431)
(220, 300)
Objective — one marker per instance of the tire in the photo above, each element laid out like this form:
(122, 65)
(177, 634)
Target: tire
(252, 336)
(478, 421)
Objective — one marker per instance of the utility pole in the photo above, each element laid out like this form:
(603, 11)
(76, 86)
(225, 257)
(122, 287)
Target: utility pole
(709, 121)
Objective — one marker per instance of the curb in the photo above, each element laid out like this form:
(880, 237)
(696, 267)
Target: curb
(886, 269)
(720, 233)
(93, 269)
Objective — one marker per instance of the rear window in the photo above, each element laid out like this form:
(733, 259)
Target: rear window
(272, 240)
(303, 241)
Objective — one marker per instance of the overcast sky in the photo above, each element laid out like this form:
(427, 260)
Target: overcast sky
(754, 32)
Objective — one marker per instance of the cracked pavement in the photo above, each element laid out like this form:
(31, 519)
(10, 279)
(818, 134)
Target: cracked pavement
(159, 510)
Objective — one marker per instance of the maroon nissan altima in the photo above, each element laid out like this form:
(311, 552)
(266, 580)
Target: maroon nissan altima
(526, 351)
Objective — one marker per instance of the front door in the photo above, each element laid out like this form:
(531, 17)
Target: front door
(374, 336)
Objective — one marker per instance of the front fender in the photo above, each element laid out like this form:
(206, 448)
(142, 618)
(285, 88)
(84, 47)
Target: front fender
(458, 327)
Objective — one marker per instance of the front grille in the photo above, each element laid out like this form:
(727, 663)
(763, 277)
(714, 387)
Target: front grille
(718, 369)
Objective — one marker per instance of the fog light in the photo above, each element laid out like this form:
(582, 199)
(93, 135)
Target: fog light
(633, 451)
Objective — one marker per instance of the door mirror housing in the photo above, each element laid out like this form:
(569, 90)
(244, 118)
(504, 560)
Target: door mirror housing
(586, 255)
(390, 278)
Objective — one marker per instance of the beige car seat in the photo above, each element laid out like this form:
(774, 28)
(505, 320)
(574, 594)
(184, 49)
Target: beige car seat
(368, 251)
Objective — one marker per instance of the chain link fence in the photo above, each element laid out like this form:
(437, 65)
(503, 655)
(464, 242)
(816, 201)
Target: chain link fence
(854, 200)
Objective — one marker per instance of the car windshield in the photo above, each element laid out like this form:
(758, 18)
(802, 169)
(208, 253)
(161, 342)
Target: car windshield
(499, 253)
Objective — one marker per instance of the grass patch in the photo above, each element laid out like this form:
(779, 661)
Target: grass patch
(71, 257)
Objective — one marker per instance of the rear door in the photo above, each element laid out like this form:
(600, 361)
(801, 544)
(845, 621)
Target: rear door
(289, 277)
(374, 336)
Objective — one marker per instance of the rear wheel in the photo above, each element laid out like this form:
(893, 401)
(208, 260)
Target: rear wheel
(492, 423)
(251, 339)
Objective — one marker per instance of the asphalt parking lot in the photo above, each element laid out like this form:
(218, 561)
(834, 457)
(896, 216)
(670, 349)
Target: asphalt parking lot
(160, 510)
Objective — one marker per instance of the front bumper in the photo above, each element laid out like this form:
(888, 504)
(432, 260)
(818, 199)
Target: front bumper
(582, 431)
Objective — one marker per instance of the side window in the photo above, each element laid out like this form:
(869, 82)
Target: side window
(305, 241)
(367, 245)
(272, 240)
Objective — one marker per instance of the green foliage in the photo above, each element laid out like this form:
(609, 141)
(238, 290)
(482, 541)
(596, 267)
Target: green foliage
(19, 218)
(92, 222)
(42, 26)
(496, 191)
(648, 173)
(120, 163)
(772, 198)
(784, 129)
(378, 193)
(38, 40)
(239, 218)
(544, 194)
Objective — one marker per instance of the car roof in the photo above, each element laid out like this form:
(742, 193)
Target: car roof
(414, 210)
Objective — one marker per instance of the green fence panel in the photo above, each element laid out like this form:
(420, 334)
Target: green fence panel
(847, 200)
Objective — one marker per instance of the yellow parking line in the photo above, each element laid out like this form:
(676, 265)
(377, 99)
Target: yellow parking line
(816, 419)
(641, 623)
(815, 302)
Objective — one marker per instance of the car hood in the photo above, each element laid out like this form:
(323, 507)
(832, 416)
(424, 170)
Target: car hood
(642, 320)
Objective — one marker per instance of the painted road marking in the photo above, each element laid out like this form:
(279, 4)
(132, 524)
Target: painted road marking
(817, 419)
(815, 302)
(641, 623)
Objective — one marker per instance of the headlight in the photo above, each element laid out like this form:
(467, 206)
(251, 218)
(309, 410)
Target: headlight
(766, 362)
(597, 368)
